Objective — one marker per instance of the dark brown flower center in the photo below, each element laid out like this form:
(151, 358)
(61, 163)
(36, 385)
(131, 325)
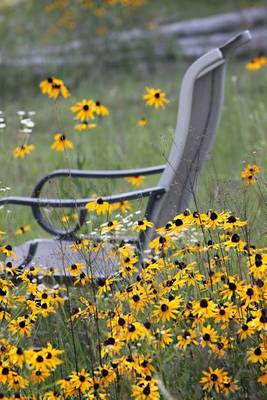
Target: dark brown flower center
(131, 328)
(164, 307)
(257, 351)
(213, 216)
(214, 377)
(203, 303)
(235, 238)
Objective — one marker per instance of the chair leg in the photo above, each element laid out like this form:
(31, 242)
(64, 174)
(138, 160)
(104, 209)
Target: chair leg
(31, 253)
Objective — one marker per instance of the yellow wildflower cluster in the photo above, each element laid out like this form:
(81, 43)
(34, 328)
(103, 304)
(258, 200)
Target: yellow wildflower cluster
(67, 11)
(256, 63)
(53, 87)
(249, 174)
(183, 302)
(86, 111)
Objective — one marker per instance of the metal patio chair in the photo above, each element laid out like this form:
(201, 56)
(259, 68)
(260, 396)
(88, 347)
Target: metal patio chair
(200, 107)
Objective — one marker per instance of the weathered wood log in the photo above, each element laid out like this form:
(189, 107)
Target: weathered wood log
(217, 23)
(187, 39)
(195, 46)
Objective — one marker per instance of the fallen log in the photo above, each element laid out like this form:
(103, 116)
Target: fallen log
(195, 46)
(183, 39)
(217, 23)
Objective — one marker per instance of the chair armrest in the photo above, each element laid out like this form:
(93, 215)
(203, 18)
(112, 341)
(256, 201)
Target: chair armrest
(91, 174)
(79, 204)
(77, 173)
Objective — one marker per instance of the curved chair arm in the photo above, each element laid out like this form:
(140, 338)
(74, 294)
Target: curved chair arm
(95, 174)
(79, 204)
(91, 174)
(86, 174)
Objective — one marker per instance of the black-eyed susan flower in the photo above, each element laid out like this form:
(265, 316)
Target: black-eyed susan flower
(257, 264)
(142, 122)
(61, 143)
(234, 242)
(232, 288)
(43, 359)
(155, 98)
(256, 63)
(53, 87)
(162, 243)
(123, 206)
(75, 269)
(111, 226)
(249, 174)
(142, 225)
(214, 379)
(82, 279)
(39, 375)
(208, 336)
(9, 268)
(128, 267)
(233, 223)
(51, 356)
(163, 337)
(167, 310)
(250, 294)
(52, 395)
(85, 126)
(230, 386)
(135, 180)
(106, 374)
(23, 229)
(104, 284)
(187, 338)
(145, 391)
(245, 331)
(22, 326)
(21, 151)
(16, 356)
(138, 299)
(259, 321)
(16, 381)
(204, 307)
(257, 355)
(5, 374)
(79, 244)
(7, 250)
(224, 314)
(99, 206)
(263, 379)
(100, 109)
(85, 110)
(214, 219)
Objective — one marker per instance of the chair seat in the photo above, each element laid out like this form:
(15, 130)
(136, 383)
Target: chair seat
(58, 254)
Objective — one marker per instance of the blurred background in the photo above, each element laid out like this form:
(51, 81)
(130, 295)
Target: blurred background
(110, 51)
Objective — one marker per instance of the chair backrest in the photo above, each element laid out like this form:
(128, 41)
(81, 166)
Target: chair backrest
(200, 107)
